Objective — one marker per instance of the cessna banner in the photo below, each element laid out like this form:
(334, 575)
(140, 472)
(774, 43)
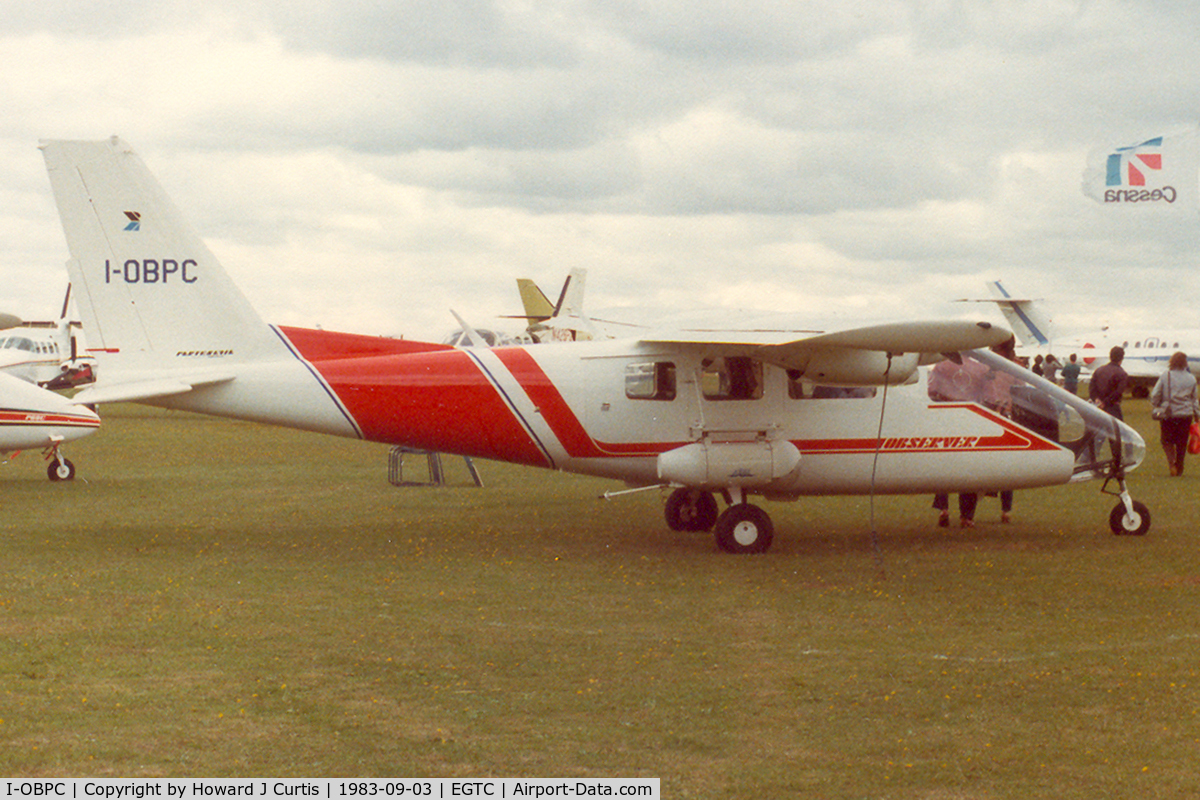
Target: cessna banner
(774, 410)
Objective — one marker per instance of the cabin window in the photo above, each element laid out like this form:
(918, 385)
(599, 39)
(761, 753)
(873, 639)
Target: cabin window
(731, 378)
(650, 381)
(801, 389)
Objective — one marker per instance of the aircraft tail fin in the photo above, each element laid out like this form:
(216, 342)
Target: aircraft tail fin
(562, 321)
(569, 323)
(570, 300)
(538, 307)
(146, 285)
(1026, 317)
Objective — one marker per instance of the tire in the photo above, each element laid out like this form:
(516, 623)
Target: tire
(62, 470)
(1130, 526)
(691, 510)
(744, 529)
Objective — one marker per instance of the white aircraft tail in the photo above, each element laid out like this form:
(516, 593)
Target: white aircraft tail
(166, 322)
(147, 287)
(1026, 318)
(569, 323)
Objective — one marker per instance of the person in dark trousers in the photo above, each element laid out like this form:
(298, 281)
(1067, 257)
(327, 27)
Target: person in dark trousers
(1109, 383)
(1175, 407)
(1070, 375)
(966, 509)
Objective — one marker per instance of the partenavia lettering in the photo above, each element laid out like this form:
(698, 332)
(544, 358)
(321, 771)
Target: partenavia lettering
(203, 353)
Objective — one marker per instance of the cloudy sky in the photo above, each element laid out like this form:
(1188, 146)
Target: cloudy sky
(367, 165)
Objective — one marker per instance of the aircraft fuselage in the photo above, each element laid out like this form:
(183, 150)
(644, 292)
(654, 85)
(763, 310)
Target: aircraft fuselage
(595, 408)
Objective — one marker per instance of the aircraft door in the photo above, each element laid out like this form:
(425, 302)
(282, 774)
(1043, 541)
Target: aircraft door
(642, 399)
(736, 394)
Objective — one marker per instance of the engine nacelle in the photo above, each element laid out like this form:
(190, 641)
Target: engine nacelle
(720, 465)
(850, 367)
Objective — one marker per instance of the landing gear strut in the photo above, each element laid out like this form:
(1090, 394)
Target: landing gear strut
(1129, 517)
(1131, 521)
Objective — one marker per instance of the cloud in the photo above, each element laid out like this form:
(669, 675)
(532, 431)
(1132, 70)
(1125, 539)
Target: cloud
(698, 154)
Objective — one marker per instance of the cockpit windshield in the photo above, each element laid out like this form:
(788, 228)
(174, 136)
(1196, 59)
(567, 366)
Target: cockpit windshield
(981, 376)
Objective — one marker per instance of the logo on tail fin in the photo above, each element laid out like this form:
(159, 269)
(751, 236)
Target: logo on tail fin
(135, 221)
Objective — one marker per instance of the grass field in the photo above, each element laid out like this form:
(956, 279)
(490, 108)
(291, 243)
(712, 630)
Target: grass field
(214, 598)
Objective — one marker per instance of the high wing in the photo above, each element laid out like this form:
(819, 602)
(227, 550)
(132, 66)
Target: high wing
(888, 353)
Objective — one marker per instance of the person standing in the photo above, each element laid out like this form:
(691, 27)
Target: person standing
(966, 509)
(1070, 375)
(1109, 383)
(1050, 368)
(1175, 406)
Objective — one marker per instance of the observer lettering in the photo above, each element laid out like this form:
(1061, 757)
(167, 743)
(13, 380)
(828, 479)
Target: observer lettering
(931, 443)
(150, 270)
(1166, 194)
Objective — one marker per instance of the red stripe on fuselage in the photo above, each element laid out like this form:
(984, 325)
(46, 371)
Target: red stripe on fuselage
(19, 418)
(417, 394)
(1013, 438)
(562, 420)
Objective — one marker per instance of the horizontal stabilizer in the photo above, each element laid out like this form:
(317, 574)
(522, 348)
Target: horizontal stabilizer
(1025, 316)
(146, 390)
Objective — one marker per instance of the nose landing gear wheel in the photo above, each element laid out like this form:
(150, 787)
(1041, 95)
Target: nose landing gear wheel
(1123, 524)
(62, 470)
(744, 528)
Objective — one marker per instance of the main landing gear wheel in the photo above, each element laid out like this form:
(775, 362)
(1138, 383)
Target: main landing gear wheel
(1123, 524)
(60, 470)
(691, 510)
(744, 528)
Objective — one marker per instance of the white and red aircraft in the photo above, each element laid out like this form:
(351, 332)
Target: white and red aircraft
(776, 411)
(34, 418)
(45, 353)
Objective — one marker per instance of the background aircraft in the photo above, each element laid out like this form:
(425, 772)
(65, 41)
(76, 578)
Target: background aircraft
(756, 409)
(31, 417)
(46, 353)
(1147, 350)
